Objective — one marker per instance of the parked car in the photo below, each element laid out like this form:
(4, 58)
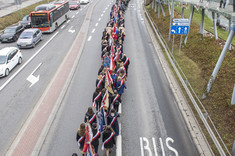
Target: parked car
(11, 34)
(29, 38)
(26, 22)
(74, 5)
(9, 58)
(84, 1)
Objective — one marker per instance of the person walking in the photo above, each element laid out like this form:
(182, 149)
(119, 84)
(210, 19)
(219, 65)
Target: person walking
(96, 136)
(108, 139)
(126, 63)
(113, 121)
(97, 98)
(91, 116)
(81, 136)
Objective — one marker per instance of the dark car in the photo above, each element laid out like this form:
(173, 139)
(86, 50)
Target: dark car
(74, 5)
(26, 21)
(12, 33)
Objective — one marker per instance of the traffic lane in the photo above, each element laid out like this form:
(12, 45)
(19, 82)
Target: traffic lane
(61, 139)
(19, 99)
(28, 53)
(154, 121)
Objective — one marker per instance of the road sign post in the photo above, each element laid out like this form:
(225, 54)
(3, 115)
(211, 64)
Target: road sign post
(180, 26)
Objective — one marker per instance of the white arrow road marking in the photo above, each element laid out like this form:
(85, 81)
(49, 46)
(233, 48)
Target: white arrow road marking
(70, 29)
(26, 63)
(33, 79)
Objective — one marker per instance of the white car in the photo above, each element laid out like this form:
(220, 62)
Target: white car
(9, 58)
(84, 1)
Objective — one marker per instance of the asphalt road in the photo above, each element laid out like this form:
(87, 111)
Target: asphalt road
(17, 97)
(151, 121)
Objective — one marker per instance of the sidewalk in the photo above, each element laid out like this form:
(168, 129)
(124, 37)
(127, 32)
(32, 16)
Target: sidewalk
(7, 7)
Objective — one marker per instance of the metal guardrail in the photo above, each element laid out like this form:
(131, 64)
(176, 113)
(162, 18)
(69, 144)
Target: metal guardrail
(190, 92)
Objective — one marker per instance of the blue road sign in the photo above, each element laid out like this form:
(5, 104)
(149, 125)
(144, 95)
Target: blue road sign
(179, 29)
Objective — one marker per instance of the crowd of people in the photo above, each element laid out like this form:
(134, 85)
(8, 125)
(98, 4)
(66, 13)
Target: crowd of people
(110, 85)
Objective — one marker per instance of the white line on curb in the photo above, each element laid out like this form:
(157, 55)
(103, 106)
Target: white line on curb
(119, 143)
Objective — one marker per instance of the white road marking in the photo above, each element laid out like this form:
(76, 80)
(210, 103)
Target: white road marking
(106, 8)
(26, 63)
(68, 21)
(119, 143)
(154, 146)
(108, 5)
(77, 12)
(33, 79)
(89, 38)
(70, 30)
(73, 16)
(120, 109)
(102, 15)
(104, 11)
(93, 30)
(81, 9)
(62, 26)
(96, 24)
(99, 19)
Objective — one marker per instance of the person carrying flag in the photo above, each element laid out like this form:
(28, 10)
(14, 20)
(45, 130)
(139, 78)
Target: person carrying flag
(90, 115)
(80, 137)
(87, 148)
(108, 139)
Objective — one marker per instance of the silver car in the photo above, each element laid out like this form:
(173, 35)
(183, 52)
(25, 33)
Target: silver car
(29, 38)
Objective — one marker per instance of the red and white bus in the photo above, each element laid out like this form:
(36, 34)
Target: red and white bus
(48, 17)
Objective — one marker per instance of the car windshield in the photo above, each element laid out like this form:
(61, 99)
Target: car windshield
(25, 18)
(73, 3)
(2, 59)
(40, 21)
(9, 30)
(26, 35)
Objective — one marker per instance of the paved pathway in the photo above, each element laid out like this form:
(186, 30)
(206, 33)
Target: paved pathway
(8, 6)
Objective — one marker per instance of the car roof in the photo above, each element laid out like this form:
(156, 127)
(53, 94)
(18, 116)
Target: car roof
(14, 26)
(31, 30)
(6, 50)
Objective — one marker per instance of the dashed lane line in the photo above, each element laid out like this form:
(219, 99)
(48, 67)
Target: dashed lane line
(93, 30)
(77, 12)
(102, 15)
(89, 38)
(99, 19)
(96, 24)
(68, 21)
(73, 16)
(104, 11)
(62, 27)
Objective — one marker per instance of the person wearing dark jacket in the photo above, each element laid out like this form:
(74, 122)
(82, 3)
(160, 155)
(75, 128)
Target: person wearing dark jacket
(126, 62)
(90, 115)
(120, 85)
(100, 81)
(80, 137)
(108, 139)
(97, 98)
(113, 121)
(96, 136)
(114, 100)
